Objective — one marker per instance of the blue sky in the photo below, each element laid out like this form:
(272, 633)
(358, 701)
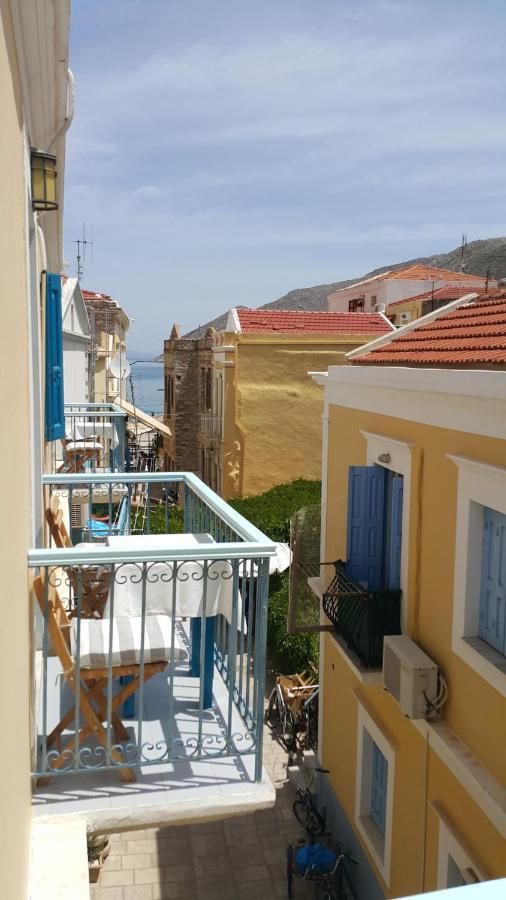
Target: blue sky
(227, 151)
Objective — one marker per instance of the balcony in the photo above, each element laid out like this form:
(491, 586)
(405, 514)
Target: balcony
(211, 425)
(95, 439)
(149, 652)
(360, 617)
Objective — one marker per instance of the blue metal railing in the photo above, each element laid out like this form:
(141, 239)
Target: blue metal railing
(101, 594)
(95, 439)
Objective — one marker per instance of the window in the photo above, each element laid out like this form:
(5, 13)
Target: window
(378, 788)
(492, 621)
(456, 867)
(374, 791)
(479, 588)
(356, 305)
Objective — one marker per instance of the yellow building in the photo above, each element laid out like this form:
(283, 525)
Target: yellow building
(264, 424)
(109, 325)
(414, 502)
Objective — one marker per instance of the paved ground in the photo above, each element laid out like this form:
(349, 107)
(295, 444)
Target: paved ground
(241, 858)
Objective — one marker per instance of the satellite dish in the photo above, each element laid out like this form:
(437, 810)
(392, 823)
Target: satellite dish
(119, 368)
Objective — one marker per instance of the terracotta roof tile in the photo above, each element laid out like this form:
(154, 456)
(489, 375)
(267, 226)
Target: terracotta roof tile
(474, 334)
(297, 321)
(418, 272)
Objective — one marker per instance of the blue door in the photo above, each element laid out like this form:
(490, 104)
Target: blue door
(492, 624)
(366, 525)
(54, 412)
(395, 535)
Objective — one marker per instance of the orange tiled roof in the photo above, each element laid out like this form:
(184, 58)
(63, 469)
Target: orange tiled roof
(428, 273)
(418, 272)
(471, 335)
(447, 292)
(306, 322)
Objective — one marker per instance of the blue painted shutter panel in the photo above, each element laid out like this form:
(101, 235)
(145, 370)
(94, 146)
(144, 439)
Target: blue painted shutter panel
(394, 568)
(379, 778)
(54, 412)
(492, 625)
(366, 525)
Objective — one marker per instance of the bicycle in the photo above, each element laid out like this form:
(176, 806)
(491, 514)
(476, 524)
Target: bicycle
(289, 706)
(325, 865)
(304, 808)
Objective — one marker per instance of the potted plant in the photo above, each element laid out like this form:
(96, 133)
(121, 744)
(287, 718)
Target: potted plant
(98, 851)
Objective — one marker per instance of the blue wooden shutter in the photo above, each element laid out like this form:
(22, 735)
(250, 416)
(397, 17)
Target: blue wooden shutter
(379, 779)
(54, 412)
(492, 627)
(394, 566)
(366, 525)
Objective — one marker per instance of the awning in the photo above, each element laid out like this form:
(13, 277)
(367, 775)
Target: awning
(148, 420)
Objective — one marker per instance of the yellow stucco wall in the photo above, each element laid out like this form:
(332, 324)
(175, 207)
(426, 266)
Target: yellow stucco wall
(16, 477)
(409, 306)
(272, 413)
(474, 710)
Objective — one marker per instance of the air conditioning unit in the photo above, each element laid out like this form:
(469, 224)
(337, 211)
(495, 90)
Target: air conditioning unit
(409, 675)
(405, 318)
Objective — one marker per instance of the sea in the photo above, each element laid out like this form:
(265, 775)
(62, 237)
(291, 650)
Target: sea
(145, 386)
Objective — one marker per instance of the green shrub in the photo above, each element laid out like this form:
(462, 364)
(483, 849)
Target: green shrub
(271, 513)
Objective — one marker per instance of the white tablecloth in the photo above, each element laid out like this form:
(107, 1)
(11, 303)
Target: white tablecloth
(96, 428)
(159, 580)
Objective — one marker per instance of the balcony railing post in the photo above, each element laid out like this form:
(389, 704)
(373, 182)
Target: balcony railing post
(260, 658)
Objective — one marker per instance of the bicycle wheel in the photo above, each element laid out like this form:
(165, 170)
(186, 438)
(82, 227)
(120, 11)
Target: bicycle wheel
(289, 870)
(272, 711)
(323, 890)
(289, 729)
(308, 817)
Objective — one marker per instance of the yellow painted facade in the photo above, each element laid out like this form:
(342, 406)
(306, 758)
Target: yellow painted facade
(271, 409)
(435, 780)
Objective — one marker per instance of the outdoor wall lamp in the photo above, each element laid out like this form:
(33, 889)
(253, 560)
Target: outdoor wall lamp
(384, 458)
(43, 166)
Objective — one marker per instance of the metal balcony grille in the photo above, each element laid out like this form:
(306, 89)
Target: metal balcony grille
(362, 617)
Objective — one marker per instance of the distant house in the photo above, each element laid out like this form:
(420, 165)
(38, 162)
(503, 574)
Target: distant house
(76, 343)
(414, 510)
(401, 312)
(109, 325)
(239, 403)
(380, 291)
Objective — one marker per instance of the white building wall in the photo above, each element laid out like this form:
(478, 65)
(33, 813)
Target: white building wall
(75, 369)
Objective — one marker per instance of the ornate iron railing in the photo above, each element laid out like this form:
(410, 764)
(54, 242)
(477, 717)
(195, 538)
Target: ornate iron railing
(362, 617)
(182, 604)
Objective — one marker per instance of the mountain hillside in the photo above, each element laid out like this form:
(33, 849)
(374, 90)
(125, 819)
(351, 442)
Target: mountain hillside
(480, 257)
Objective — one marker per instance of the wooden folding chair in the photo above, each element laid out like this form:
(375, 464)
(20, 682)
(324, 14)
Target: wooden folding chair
(94, 586)
(77, 453)
(93, 681)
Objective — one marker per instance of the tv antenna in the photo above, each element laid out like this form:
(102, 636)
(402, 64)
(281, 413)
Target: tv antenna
(463, 248)
(82, 243)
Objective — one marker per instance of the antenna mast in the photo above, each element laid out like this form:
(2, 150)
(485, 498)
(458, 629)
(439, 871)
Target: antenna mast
(82, 243)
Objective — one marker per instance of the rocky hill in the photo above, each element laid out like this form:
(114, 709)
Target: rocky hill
(479, 257)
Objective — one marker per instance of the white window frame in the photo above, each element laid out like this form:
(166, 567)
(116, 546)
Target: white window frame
(379, 447)
(450, 846)
(479, 484)
(378, 845)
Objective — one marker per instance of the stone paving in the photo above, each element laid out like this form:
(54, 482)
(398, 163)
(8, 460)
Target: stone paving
(240, 858)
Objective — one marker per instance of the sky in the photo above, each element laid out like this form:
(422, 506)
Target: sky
(225, 152)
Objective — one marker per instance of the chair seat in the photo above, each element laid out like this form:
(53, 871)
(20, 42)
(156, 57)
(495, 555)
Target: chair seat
(126, 641)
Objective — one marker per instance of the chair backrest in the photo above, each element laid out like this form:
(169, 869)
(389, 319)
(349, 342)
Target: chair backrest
(58, 622)
(54, 518)
(122, 519)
